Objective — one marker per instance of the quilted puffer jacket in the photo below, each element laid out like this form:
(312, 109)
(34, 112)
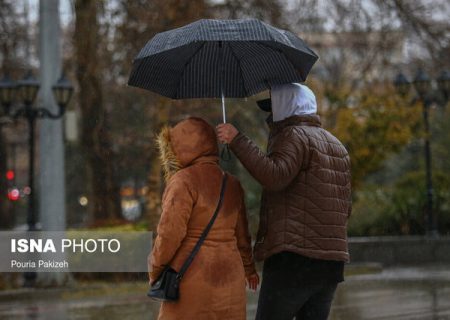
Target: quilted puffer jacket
(306, 198)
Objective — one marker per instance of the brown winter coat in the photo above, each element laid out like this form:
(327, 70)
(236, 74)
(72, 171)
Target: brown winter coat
(307, 196)
(214, 285)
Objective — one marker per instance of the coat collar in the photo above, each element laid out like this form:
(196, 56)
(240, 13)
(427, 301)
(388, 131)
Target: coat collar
(311, 120)
(211, 159)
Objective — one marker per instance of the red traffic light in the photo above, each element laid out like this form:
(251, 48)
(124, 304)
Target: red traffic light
(10, 175)
(14, 194)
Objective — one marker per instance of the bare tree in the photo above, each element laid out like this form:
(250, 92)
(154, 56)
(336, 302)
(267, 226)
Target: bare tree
(427, 23)
(138, 115)
(96, 140)
(270, 11)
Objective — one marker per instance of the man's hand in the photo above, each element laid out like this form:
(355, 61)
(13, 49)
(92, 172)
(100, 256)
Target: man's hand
(226, 133)
(253, 281)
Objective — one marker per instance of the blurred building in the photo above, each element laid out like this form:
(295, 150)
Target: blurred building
(355, 56)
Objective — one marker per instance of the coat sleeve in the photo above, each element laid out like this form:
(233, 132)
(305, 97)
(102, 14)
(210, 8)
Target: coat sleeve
(276, 170)
(177, 206)
(244, 240)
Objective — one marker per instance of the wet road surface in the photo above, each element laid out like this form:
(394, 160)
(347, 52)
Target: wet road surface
(395, 294)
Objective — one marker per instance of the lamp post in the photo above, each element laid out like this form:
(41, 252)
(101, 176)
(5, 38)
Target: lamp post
(423, 87)
(26, 91)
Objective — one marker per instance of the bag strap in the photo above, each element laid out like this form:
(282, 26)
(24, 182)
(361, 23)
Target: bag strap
(200, 241)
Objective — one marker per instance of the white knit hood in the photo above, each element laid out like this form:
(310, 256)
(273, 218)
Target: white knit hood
(292, 99)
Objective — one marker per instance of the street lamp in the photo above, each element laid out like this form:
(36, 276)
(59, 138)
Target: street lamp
(402, 84)
(62, 91)
(27, 90)
(7, 92)
(423, 86)
(444, 84)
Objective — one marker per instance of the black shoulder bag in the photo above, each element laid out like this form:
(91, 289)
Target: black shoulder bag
(166, 287)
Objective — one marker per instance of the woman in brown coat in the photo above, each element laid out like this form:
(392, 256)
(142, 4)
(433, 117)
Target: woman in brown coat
(214, 285)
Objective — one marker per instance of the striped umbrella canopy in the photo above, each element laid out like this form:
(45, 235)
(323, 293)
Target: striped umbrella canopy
(221, 58)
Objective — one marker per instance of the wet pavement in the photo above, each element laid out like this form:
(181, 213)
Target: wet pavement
(395, 294)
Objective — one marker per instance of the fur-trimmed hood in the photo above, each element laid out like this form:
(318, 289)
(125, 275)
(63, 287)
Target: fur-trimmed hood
(187, 142)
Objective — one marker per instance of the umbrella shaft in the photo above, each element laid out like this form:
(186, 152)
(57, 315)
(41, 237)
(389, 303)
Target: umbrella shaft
(223, 109)
(221, 83)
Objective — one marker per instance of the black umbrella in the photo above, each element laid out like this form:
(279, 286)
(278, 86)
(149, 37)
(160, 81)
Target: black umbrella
(221, 58)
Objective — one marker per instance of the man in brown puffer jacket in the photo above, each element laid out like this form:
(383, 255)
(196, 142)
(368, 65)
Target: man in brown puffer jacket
(306, 202)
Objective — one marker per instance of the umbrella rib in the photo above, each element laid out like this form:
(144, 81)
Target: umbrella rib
(287, 59)
(185, 65)
(240, 73)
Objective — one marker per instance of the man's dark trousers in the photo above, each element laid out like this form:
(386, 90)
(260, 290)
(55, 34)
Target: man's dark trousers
(296, 286)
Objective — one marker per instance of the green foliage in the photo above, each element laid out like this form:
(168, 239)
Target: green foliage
(400, 208)
(373, 126)
(392, 200)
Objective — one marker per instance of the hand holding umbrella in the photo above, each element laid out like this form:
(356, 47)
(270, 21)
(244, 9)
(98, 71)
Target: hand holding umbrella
(226, 133)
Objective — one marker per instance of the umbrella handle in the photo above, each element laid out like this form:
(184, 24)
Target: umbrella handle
(225, 154)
